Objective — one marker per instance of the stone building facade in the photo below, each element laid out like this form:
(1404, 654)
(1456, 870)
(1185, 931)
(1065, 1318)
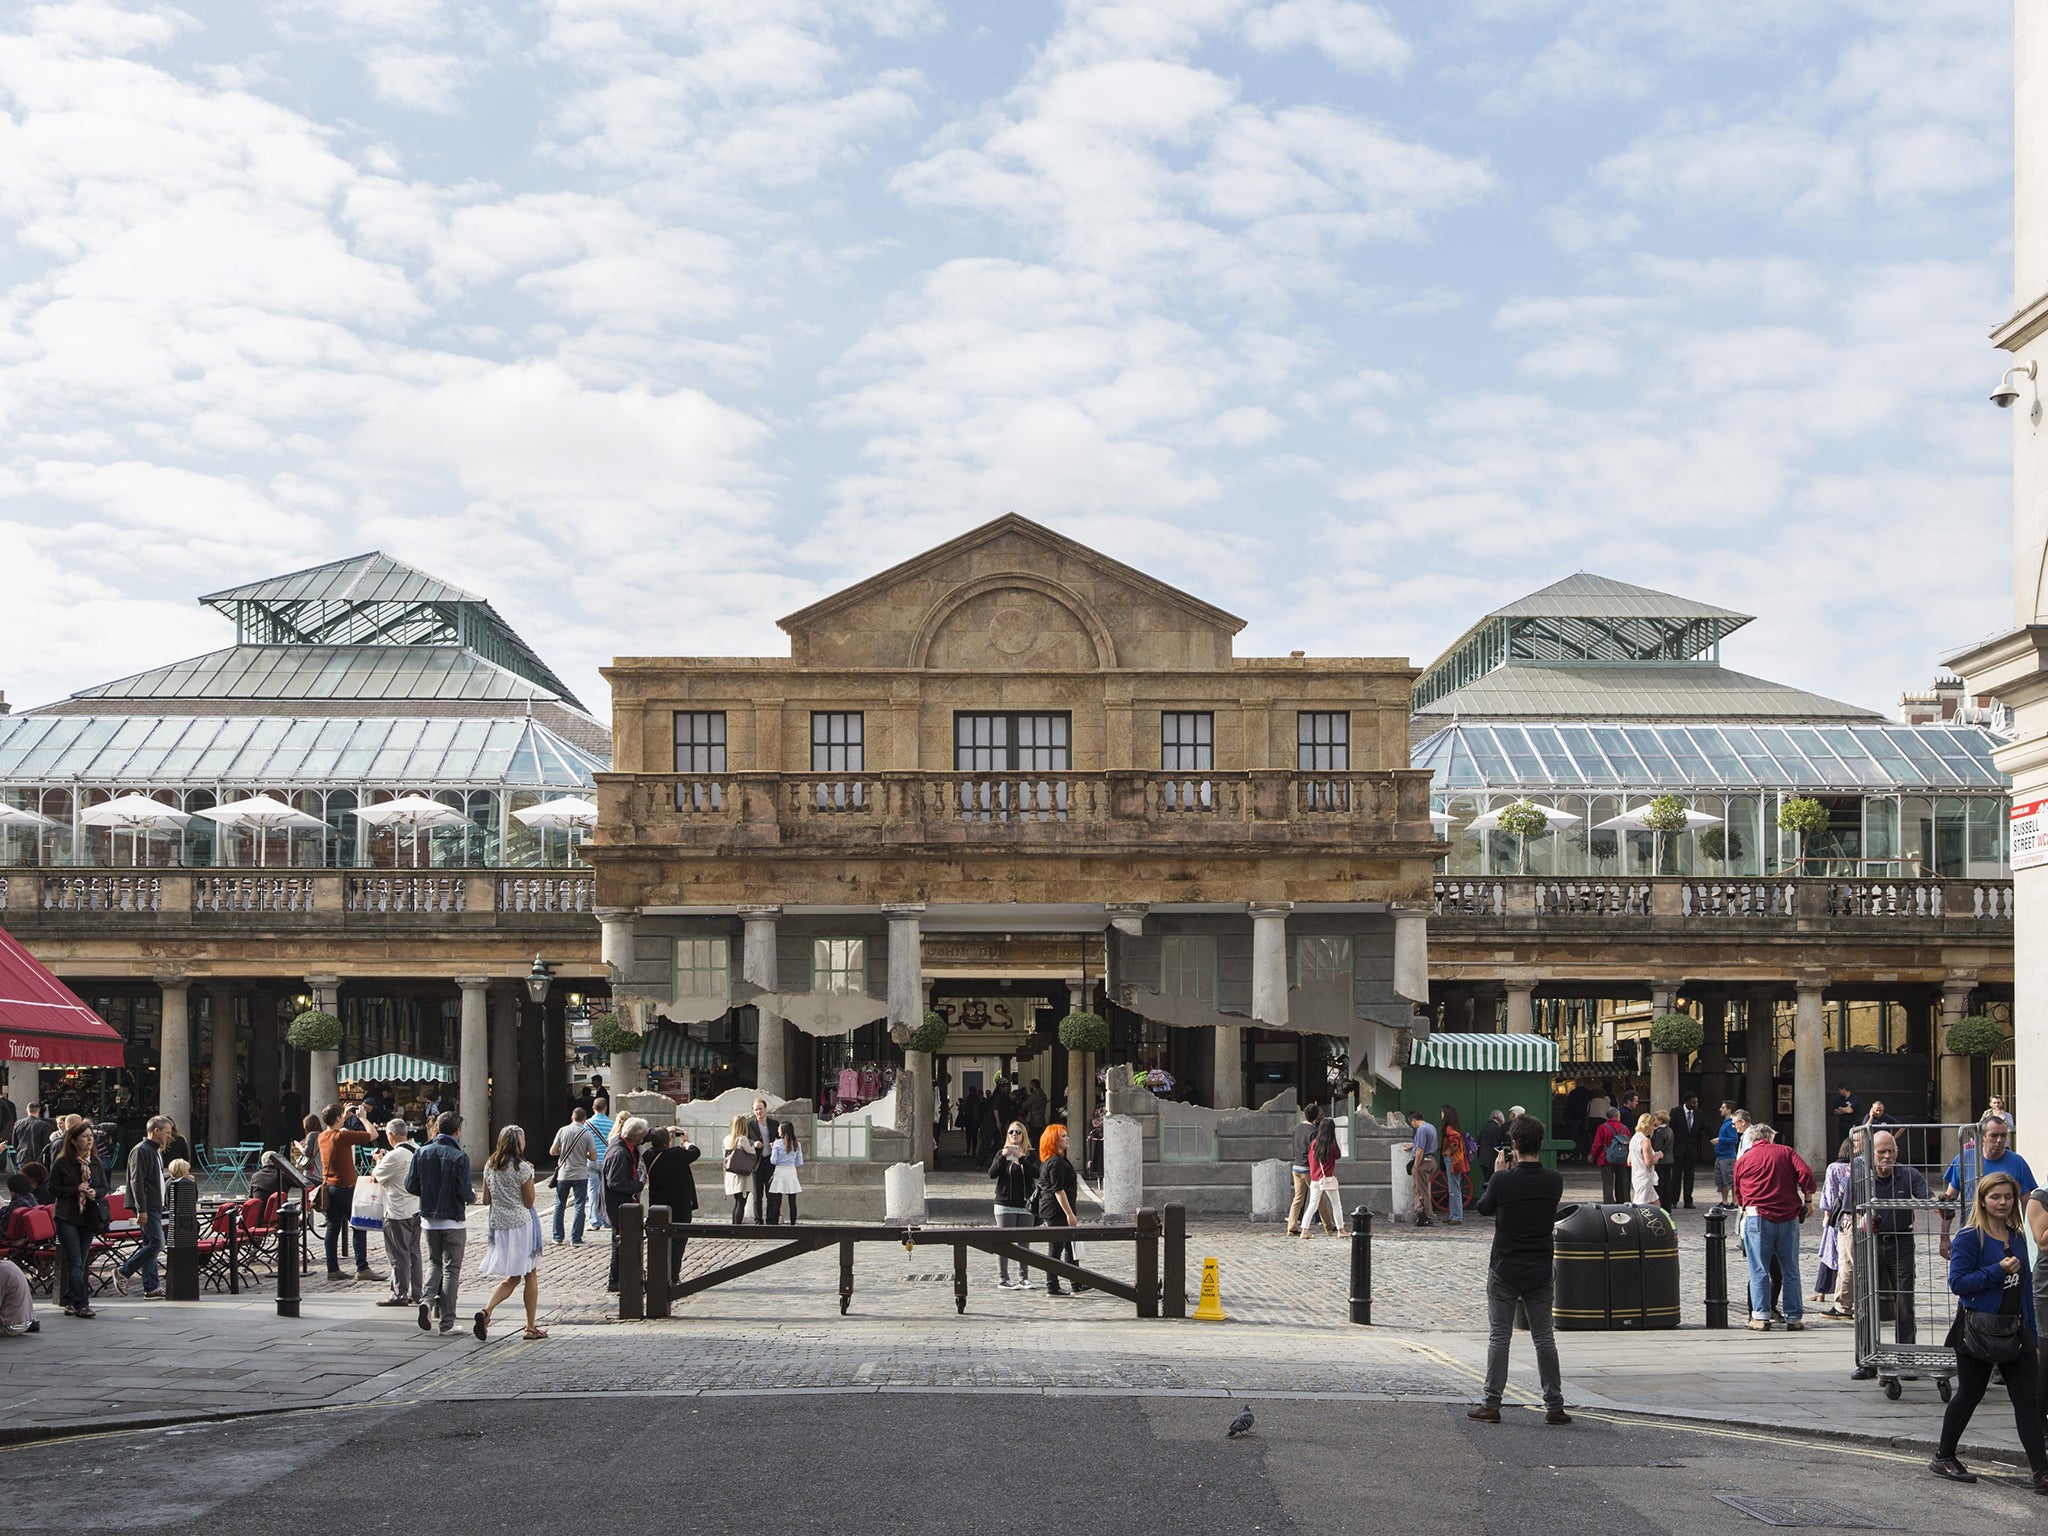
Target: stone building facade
(1003, 779)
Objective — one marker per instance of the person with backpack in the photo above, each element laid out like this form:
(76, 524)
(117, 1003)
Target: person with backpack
(1457, 1164)
(146, 1200)
(1610, 1155)
(1322, 1182)
(573, 1147)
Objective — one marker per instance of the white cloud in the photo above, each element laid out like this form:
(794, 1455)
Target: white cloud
(1358, 37)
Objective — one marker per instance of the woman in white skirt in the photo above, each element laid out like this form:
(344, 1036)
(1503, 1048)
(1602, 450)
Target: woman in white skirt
(787, 1157)
(514, 1250)
(738, 1185)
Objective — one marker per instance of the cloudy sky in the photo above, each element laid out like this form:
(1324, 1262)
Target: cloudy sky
(653, 320)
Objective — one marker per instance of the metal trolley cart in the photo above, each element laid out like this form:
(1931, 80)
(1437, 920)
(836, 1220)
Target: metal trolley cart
(1900, 1285)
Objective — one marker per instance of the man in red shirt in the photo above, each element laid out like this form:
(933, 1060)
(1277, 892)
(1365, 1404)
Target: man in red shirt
(1614, 1186)
(1772, 1183)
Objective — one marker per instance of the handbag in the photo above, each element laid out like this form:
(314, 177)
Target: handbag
(366, 1212)
(741, 1161)
(1997, 1338)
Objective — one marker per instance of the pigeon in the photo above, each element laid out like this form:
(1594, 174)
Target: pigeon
(1241, 1425)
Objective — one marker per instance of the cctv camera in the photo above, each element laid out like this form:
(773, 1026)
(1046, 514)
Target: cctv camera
(2004, 397)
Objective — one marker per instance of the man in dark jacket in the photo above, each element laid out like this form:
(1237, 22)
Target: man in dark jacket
(671, 1182)
(1522, 1196)
(146, 1200)
(1297, 1162)
(440, 1177)
(1688, 1127)
(622, 1178)
(32, 1134)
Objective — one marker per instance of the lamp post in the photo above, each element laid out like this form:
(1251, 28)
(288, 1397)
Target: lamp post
(538, 980)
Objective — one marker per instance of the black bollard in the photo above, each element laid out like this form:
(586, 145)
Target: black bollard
(287, 1272)
(660, 1236)
(1361, 1266)
(1717, 1267)
(181, 1239)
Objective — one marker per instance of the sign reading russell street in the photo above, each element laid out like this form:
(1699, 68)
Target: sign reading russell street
(2029, 846)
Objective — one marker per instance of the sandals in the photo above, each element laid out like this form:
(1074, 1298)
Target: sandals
(535, 1333)
(482, 1326)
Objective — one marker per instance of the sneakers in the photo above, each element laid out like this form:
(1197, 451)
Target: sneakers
(369, 1274)
(1485, 1413)
(1795, 1326)
(447, 1325)
(120, 1283)
(393, 1301)
(2040, 1478)
(1864, 1373)
(335, 1277)
(1556, 1416)
(1006, 1285)
(1759, 1325)
(1053, 1288)
(159, 1294)
(1953, 1470)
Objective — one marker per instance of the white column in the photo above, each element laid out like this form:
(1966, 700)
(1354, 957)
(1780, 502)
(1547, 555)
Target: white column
(1411, 955)
(1952, 1081)
(1810, 1074)
(174, 1050)
(505, 1062)
(221, 1127)
(1663, 1064)
(625, 1076)
(758, 966)
(322, 1067)
(1078, 1080)
(906, 1012)
(1269, 963)
(1521, 1008)
(1228, 1069)
(473, 1066)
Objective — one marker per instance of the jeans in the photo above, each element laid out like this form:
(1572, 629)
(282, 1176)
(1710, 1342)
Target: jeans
(1500, 1321)
(444, 1272)
(1062, 1249)
(1300, 1206)
(341, 1198)
(1454, 1186)
(1763, 1241)
(574, 1191)
(402, 1250)
(594, 1195)
(1972, 1377)
(145, 1258)
(1332, 1217)
(74, 1243)
(1010, 1216)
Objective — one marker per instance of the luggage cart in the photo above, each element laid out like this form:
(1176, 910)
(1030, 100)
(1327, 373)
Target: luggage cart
(1900, 1286)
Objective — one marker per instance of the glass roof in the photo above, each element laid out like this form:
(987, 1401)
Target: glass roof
(326, 672)
(1678, 757)
(164, 750)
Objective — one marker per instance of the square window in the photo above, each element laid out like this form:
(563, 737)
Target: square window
(703, 970)
(999, 743)
(839, 965)
(1187, 742)
(700, 741)
(1323, 959)
(837, 742)
(1324, 741)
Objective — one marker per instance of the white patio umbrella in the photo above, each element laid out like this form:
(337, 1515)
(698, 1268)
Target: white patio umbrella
(1632, 821)
(1441, 820)
(1486, 821)
(12, 816)
(565, 812)
(137, 815)
(263, 815)
(413, 814)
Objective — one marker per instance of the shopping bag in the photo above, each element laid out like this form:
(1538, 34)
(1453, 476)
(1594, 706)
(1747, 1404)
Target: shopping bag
(367, 1211)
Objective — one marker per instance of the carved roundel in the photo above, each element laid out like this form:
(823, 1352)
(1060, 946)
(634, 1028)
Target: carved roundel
(1012, 629)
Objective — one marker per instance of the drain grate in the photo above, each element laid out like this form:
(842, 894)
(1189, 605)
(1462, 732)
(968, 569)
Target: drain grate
(927, 1278)
(1796, 1512)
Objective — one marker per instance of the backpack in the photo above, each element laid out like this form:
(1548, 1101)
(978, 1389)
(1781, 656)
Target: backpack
(1617, 1150)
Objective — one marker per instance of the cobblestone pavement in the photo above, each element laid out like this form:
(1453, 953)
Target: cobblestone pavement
(779, 1330)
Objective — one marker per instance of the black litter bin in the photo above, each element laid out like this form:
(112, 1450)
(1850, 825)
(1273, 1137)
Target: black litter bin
(1617, 1267)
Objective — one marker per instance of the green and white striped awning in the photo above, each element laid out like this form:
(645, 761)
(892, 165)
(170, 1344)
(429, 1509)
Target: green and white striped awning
(1485, 1053)
(672, 1048)
(396, 1068)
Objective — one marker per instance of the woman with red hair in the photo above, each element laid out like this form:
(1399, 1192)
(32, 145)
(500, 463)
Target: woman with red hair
(1057, 1190)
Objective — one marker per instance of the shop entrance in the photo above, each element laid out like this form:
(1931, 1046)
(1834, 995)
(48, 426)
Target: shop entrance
(1001, 1040)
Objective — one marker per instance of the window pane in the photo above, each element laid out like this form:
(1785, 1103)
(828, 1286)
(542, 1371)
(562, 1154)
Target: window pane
(700, 741)
(1187, 967)
(1323, 741)
(701, 969)
(1187, 742)
(1322, 959)
(836, 743)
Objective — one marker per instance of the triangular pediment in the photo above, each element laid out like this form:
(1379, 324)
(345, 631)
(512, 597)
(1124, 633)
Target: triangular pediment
(1012, 595)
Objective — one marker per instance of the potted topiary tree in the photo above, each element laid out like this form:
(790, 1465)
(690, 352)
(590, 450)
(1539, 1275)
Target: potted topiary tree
(1523, 821)
(1804, 817)
(1666, 813)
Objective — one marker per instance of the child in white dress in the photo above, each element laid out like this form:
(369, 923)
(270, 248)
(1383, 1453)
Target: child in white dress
(787, 1157)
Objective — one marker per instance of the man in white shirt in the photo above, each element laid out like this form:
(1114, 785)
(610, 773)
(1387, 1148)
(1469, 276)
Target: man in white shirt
(574, 1150)
(401, 1217)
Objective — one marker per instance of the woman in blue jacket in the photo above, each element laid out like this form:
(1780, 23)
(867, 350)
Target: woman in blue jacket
(1987, 1270)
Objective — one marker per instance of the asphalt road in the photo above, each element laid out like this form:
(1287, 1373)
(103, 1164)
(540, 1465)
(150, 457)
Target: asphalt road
(953, 1463)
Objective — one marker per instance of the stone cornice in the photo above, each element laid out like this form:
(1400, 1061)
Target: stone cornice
(2027, 322)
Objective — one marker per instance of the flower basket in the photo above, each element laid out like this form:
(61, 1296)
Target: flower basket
(1084, 1032)
(1974, 1036)
(1677, 1034)
(929, 1035)
(611, 1034)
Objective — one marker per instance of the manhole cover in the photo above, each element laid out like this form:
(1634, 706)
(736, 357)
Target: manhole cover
(1790, 1512)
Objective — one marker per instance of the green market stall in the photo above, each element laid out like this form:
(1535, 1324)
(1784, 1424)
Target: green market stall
(1475, 1074)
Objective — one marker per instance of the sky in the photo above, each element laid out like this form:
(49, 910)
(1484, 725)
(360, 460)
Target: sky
(654, 320)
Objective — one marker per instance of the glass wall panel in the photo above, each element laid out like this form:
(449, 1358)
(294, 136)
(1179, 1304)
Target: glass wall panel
(1951, 837)
(1881, 832)
(1603, 849)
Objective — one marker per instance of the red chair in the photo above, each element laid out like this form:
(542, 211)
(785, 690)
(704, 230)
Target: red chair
(32, 1243)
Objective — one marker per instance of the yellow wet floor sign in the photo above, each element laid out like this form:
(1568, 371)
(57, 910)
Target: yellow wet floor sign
(1210, 1308)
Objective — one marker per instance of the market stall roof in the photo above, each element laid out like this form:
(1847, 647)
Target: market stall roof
(395, 1068)
(672, 1048)
(43, 1023)
(1485, 1053)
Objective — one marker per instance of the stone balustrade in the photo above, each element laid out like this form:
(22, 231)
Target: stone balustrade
(29, 897)
(1544, 900)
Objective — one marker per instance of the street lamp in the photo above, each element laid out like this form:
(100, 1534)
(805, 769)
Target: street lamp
(538, 980)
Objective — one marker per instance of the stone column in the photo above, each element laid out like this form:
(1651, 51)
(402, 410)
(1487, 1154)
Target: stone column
(625, 1075)
(758, 966)
(1713, 1051)
(1411, 955)
(1078, 1081)
(505, 1061)
(472, 1087)
(1663, 1064)
(1521, 1008)
(1269, 963)
(1952, 1083)
(174, 1050)
(1810, 1073)
(221, 1129)
(554, 1048)
(322, 1074)
(906, 1012)
(266, 1075)
(1759, 1091)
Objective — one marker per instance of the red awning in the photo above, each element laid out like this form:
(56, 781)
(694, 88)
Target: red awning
(42, 1022)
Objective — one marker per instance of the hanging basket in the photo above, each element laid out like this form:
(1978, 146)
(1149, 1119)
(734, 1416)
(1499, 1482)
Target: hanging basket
(611, 1034)
(1084, 1032)
(1676, 1034)
(929, 1035)
(314, 1030)
(1974, 1036)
